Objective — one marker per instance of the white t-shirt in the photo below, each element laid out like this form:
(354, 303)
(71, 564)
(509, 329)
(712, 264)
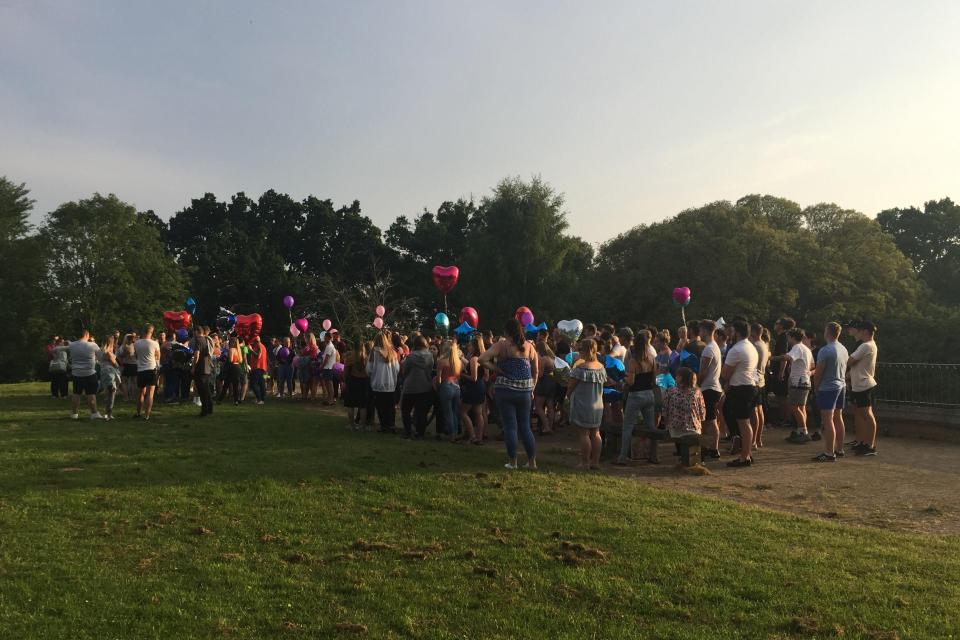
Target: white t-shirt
(743, 358)
(619, 351)
(329, 356)
(863, 371)
(710, 372)
(763, 355)
(801, 359)
(83, 358)
(146, 350)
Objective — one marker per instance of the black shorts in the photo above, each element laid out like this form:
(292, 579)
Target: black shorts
(711, 398)
(146, 379)
(129, 370)
(740, 401)
(863, 399)
(87, 385)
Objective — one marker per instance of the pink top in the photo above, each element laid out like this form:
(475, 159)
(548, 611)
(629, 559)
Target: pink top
(683, 410)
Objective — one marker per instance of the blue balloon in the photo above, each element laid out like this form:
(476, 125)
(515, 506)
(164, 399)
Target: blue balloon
(442, 323)
(464, 332)
(191, 304)
(182, 334)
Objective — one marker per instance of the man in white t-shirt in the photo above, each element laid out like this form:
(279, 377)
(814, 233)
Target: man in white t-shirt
(328, 358)
(710, 363)
(800, 360)
(763, 356)
(739, 374)
(862, 369)
(148, 360)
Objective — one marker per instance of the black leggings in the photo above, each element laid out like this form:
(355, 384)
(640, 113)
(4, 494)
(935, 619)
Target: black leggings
(231, 378)
(386, 408)
(414, 409)
(58, 384)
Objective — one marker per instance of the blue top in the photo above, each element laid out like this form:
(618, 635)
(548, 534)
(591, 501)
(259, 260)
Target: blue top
(516, 374)
(834, 358)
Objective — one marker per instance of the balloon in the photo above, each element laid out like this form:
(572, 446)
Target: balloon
(283, 353)
(174, 320)
(681, 296)
(225, 323)
(378, 322)
(232, 319)
(380, 310)
(326, 325)
(302, 324)
(470, 316)
(248, 327)
(445, 278)
(288, 302)
(191, 305)
(523, 315)
(294, 331)
(533, 329)
(442, 323)
(570, 329)
(338, 369)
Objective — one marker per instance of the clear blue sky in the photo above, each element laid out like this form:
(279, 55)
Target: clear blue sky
(634, 110)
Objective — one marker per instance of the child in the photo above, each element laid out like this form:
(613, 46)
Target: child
(585, 388)
(683, 407)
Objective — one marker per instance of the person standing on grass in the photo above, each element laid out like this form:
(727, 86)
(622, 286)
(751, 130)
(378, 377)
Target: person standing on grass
(763, 354)
(447, 384)
(739, 375)
(800, 361)
(285, 357)
(109, 374)
(473, 390)
(383, 367)
(147, 352)
(328, 358)
(641, 401)
(711, 360)
(128, 363)
(829, 382)
(780, 348)
(83, 356)
(417, 396)
(356, 381)
(585, 390)
(203, 368)
(863, 386)
(515, 363)
(258, 361)
(59, 365)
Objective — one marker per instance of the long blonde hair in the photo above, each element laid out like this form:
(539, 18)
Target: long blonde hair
(384, 346)
(451, 353)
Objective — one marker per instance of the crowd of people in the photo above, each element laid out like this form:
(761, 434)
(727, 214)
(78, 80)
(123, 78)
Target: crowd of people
(724, 382)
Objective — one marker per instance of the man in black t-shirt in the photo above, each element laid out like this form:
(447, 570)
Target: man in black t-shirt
(775, 381)
(203, 368)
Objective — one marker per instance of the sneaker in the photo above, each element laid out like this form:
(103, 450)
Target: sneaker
(840, 453)
(823, 457)
(74, 416)
(852, 443)
(197, 402)
(816, 436)
(863, 449)
(712, 454)
(798, 438)
(510, 466)
(97, 416)
(737, 462)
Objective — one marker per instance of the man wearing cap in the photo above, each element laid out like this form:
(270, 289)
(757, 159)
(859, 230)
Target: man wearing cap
(862, 367)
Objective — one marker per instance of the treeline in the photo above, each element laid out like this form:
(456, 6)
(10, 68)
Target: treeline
(100, 263)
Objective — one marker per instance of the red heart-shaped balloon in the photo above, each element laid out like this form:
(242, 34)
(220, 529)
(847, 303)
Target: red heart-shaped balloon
(445, 278)
(247, 327)
(174, 320)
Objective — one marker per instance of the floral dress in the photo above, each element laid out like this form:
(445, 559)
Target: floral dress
(683, 411)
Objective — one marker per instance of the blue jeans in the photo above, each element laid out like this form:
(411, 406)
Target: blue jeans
(514, 408)
(258, 384)
(638, 402)
(448, 402)
(285, 378)
(171, 383)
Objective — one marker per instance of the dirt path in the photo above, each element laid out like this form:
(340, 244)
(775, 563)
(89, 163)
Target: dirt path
(911, 485)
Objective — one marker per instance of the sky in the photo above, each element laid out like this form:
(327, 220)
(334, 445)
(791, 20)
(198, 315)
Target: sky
(634, 110)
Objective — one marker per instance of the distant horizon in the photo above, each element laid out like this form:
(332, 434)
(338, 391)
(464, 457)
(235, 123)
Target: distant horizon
(635, 113)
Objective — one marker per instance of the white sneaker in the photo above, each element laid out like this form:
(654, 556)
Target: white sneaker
(197, 402)
(74, 416)
(97, 416)
(510, 465)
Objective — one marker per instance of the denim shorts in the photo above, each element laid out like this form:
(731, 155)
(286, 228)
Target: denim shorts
(831, 399)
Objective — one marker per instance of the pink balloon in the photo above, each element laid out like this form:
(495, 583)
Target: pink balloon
(302, 324)
(293, 330)
(470, 316)
(681, 295)
(526, 318)
(327, 324)
(378, 322)
(380, 310)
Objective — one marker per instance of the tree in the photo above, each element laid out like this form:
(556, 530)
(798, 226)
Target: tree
(107, 268)
(23, 314)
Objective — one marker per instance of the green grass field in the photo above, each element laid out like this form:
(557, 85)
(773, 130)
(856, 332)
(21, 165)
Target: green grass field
(276, 521)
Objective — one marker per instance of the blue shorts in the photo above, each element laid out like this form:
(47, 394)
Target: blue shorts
(831, 400)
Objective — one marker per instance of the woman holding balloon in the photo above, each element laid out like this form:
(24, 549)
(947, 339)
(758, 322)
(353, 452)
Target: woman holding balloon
(515, 362)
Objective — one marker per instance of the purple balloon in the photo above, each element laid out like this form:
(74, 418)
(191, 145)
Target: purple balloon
(288, 302)
(283, 352)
